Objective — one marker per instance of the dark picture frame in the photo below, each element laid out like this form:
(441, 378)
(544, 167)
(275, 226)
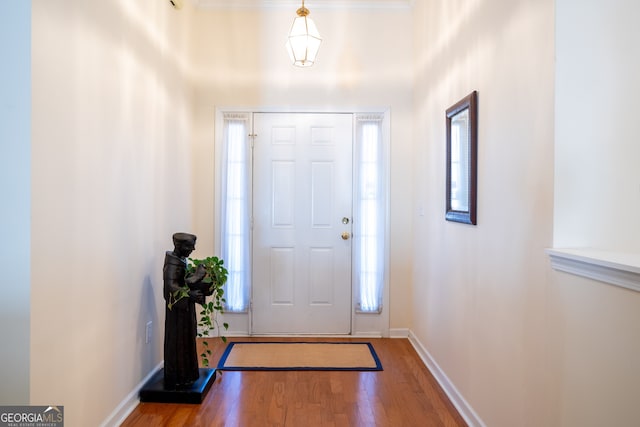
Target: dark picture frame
(462, 160)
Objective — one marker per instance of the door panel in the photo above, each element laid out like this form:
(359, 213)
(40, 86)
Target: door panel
(302, 190)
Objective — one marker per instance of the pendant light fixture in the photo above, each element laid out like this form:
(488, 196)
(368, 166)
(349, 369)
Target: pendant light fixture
(304, 40)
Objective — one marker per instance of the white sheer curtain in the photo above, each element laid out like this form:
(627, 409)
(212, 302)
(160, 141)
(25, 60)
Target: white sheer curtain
(235, 216)
(370, 211)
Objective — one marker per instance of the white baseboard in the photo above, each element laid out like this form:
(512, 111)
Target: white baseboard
(463, 407)
(365, 335)
(399, 333)
(129, 403)
(235, 334)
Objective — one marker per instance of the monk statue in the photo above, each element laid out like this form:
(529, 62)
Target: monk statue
(180, 327)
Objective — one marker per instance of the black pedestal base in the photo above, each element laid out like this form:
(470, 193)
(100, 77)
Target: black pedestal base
(154, 391)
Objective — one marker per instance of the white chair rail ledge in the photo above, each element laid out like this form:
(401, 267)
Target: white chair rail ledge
(614, 268)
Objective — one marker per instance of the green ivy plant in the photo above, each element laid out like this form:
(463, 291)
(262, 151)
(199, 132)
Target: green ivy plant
(216, 277)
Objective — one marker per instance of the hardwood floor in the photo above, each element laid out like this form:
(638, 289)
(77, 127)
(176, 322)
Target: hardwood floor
(403, 394)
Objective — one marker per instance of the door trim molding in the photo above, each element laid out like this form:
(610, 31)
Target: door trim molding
(362, 324)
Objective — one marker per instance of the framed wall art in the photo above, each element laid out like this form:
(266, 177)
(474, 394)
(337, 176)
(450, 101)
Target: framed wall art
(462, 160)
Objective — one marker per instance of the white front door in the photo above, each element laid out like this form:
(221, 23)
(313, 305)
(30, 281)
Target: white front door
(302, 202)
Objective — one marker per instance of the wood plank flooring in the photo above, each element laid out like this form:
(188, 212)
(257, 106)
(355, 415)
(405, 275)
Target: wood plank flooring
(403, 394)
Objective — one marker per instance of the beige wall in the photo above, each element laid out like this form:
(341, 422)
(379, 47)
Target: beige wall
(594, 327)
(364, 61)
(597, 178)
(525, 345)
(593, 349)
(111, 124)
(480, 292)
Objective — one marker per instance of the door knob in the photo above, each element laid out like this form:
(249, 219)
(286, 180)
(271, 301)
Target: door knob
(345, 235)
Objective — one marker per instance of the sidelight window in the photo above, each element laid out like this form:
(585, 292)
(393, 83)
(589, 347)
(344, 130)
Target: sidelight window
(235, 220)
(370, 214)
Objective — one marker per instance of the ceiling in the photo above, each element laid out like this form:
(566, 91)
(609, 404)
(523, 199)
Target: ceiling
(311, 4)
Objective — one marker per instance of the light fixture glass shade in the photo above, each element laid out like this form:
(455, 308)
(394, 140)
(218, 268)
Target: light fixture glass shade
(303, 42)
